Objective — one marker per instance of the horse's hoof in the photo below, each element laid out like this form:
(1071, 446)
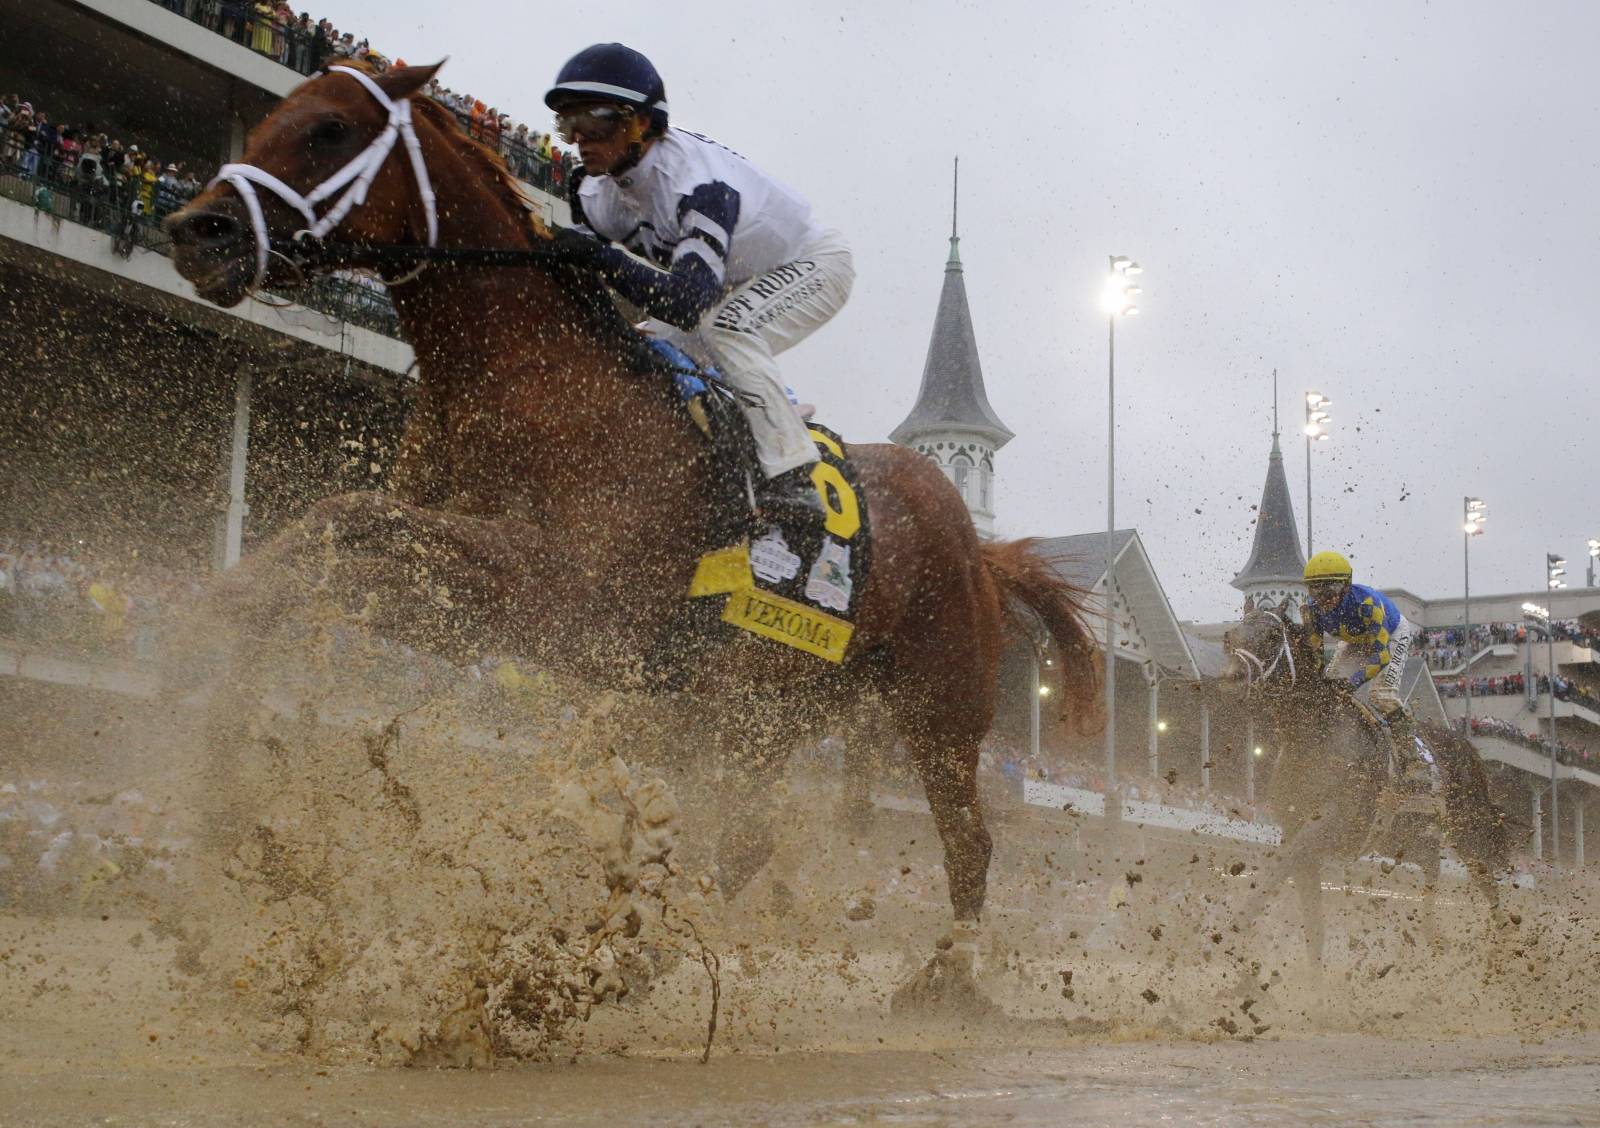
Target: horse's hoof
(946, 984)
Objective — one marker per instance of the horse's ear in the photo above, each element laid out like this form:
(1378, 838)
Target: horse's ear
(1286, 608)
(1249, 604)
(1308, 617)
(402, 82)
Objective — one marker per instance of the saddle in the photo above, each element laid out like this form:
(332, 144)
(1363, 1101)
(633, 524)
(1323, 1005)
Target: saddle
(794, 579)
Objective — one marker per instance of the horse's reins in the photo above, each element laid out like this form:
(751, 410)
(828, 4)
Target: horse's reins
(1257, 670)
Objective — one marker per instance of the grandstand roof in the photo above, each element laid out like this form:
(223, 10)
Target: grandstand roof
(1082, 559)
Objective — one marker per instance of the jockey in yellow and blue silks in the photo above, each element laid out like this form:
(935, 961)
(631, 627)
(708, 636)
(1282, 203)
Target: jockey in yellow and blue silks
(1374, 637)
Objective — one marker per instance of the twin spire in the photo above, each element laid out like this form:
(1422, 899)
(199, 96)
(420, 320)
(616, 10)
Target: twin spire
(1276, 556)
(952, 395)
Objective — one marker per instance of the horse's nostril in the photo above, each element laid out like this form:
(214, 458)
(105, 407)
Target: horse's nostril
(206, 229)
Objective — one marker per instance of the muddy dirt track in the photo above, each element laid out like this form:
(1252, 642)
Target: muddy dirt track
(397, 898)
(1326, 1080)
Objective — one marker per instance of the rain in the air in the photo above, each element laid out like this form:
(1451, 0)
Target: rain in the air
(910, 563)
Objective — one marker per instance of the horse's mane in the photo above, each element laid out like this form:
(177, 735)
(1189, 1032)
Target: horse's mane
(608, 321)
(507, 187)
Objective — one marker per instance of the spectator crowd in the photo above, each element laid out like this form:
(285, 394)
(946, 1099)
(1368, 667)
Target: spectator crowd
(1447, 647)
(110, 185)
(1509, 731)
(306, 45)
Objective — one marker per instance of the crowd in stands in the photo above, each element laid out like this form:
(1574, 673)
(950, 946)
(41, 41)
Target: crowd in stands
(273, 30)
(1512, 684)
(1565, 752)
(306, 45)
(1446, 648)
(110, 185)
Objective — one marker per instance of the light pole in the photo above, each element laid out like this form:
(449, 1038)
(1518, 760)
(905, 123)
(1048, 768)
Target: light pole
(1594, 551)
(1317, 420)
(1119, 302)
(1473, 515)
(1540, 618)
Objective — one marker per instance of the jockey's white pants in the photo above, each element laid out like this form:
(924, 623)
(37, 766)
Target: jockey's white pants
(1350, 659)
(756, 321)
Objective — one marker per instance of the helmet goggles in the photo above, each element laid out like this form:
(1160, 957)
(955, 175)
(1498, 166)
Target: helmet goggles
(591, 123)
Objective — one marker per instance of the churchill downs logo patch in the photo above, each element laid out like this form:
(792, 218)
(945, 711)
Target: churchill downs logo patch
(798, 583)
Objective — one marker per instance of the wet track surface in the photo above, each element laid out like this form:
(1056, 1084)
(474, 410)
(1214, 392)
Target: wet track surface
(1346, 1079)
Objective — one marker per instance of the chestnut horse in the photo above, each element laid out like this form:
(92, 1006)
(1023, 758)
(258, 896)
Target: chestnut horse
(550, 497)
(1331, 775)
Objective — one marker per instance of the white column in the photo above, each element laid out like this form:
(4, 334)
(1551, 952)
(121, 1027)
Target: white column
(1537, 812)
(1250, 760)
(1205, 744)
(1033, 710)
(238, 454)
(1155, 752)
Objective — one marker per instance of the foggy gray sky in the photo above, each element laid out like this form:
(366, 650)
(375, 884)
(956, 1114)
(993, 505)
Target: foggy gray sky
(1393, 203)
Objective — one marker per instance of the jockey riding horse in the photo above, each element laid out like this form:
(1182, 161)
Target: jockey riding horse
(1374, 640)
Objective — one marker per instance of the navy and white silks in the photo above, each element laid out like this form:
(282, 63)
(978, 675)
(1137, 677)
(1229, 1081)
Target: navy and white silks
(749, 272)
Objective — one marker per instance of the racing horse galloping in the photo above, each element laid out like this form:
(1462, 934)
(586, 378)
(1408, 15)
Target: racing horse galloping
(551, 498)
(1331, 775)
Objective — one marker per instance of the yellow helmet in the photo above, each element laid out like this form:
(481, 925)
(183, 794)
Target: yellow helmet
(1328, 567)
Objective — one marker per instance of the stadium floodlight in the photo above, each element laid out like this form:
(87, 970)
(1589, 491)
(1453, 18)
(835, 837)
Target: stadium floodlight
(1555, 567)
(1317, 420)
(1118, 302)
(1594, 554)
(1535, 611)
(1473, 514)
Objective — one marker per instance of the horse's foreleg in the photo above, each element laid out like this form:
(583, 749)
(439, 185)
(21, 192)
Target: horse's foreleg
(1300, 858)
(429, 578)
(745, 796)
(1432, 862)
(867, 740)
(1308, 890)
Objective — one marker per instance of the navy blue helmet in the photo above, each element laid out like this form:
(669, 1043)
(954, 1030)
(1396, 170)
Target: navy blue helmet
(613, 73)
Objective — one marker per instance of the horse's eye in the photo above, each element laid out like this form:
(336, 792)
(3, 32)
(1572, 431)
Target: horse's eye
(330, 132)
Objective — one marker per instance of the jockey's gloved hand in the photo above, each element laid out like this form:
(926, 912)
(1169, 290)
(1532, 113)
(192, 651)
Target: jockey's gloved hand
(577, 249)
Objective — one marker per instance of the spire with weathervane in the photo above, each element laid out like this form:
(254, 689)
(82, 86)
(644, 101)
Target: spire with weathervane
(952, 422)
(1276, 568)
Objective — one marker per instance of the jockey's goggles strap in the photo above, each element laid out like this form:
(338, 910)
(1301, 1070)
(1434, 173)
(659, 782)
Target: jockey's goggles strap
(595, 123)
(355, 178)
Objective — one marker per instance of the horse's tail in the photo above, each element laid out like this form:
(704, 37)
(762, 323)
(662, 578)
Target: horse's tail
(1477, 828)
(1026, 578)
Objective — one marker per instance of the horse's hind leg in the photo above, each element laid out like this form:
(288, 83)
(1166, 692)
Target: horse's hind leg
(949, 776)
(949, 772)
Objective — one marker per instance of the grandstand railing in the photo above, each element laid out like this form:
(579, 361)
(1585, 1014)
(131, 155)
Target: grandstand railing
(287, 45)
(116, 210)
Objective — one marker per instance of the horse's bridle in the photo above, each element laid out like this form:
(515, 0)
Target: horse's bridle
(310, 248)
(355, 178)
(1255, 669)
